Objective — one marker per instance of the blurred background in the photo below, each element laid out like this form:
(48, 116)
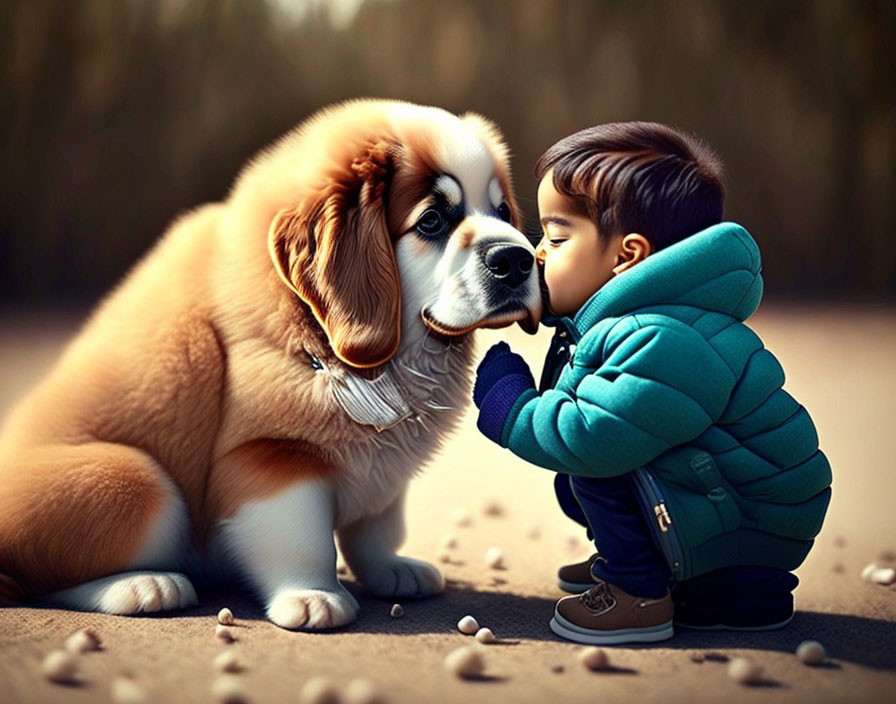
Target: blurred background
(119, 114)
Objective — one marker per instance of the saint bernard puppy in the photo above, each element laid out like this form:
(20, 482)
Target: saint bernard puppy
(274, 370)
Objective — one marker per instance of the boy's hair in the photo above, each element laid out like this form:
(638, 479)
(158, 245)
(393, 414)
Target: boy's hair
(641, 177)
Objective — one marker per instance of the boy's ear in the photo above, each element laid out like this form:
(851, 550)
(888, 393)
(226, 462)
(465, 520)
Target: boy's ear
(633, 248)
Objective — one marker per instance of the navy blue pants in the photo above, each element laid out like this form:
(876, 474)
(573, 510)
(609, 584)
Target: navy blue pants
(738, 596)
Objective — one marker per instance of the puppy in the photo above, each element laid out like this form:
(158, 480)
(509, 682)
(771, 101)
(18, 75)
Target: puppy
(274, 370)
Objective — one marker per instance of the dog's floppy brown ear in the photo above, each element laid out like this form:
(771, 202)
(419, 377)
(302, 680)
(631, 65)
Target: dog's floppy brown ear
(335, 252)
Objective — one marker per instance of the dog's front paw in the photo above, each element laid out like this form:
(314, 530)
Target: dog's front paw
(403, 577)
(312, 609)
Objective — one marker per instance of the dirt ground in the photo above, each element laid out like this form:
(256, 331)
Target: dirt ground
(841, 364)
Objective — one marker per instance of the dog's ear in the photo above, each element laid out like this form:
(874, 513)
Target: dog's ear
(335, 252)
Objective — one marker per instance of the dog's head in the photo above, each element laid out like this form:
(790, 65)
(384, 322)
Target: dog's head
(411, 221)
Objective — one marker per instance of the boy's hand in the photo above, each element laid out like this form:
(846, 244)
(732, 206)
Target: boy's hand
(500, 379)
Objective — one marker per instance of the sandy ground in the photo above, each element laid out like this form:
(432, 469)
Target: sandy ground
(840, 365)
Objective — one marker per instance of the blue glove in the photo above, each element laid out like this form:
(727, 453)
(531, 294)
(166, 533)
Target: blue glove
(501, 378)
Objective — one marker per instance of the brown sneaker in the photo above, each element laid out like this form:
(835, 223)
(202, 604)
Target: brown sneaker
(606, 615)
(576, 578)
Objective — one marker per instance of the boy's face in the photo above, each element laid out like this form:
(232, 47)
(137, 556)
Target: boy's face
(576, 262)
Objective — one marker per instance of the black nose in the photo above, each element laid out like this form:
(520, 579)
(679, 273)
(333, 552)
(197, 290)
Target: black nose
(509, 263)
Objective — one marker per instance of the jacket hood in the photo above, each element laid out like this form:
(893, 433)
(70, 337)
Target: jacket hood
(717, 269)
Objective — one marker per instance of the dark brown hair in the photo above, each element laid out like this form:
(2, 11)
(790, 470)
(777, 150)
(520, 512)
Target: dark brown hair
(641, 177)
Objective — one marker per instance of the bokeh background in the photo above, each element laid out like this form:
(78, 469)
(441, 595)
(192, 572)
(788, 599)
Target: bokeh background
(119, 114)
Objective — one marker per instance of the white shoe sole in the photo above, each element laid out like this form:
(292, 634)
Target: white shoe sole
(570, 631)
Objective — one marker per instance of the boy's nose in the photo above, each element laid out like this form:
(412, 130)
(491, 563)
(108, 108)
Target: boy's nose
(509, 263)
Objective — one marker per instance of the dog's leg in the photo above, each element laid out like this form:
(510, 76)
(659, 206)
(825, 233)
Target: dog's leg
(369, 547)
(284, 545)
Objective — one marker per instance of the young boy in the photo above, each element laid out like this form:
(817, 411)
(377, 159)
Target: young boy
(661, 412)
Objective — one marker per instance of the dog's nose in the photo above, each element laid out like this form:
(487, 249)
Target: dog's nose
(510, 263)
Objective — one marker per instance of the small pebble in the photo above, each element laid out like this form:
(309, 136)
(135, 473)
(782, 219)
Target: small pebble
(449, 542)
(594, 658)
(126, 691)
(838, 568)
(462, 518)
(60, 666)
(868, 571)
(361, 691)
(887, 556)
(465, 663)
(224, 633)
(493, 508)
(228, 689)
(319, 690)
(468, 625)
(839, 542)
(83, 641)
(697, 657)
(811, 652)
(534, 533)
(445, 557)
(485, 635)
(225, 617)
(884, 576)
(494, 558)
(397, 611)
(572, 542)
(228, 661)
(744, 671)
(557, 669)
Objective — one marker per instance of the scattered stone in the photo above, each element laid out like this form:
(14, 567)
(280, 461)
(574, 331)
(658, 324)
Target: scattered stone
(811, 652)
(60, 666)
(468, 625)
(716, 657)
(228, 689)
(887, 556)
(465, 663)
(444, 558)
(744, 671)
(485, 635)
(462, 518)
(839, 541)
(884, 575)
(224, 633)
(319, 690)
(361, 691)
(697, 657)
(83, 641)
(594, 658)
(869, 570)
(225, 617)
(494, 558)
(557, 669)
(838, 568)
(228, 661)
(126, 691)
(397, 611)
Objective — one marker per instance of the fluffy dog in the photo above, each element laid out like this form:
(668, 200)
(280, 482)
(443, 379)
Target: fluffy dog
(274, 370)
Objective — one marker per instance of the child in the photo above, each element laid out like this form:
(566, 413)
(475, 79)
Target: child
(661, 412)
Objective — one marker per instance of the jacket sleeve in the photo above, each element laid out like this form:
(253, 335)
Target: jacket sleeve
(640, 391)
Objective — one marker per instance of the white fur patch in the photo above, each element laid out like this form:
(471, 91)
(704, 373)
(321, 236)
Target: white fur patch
(495, 194)
(448, 187)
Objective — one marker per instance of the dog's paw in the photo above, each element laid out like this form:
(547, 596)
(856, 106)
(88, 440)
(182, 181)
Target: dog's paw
(403, 577)
(312, 609)
(144, 593)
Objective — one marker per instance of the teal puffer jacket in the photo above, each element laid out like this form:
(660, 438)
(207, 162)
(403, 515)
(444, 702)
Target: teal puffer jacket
(666, 382)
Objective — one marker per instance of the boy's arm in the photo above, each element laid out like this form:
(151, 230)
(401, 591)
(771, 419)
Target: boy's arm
(658, 386)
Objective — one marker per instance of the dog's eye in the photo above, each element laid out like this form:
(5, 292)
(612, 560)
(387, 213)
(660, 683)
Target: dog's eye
(431, 223)
(504, 212)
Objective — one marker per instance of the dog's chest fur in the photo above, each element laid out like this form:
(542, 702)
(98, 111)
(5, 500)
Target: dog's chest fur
(433, 382)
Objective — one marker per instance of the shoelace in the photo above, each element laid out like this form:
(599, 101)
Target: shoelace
(598, 598)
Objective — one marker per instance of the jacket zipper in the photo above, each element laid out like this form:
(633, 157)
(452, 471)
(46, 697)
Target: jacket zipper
(651, 496)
